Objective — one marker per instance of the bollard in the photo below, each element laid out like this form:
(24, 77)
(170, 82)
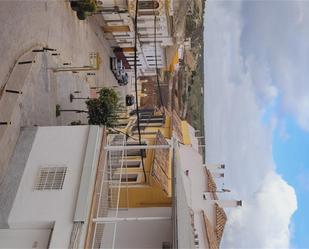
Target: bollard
(72, 97)
(13, 91)
(5, 123)
(49, 49)
(96, 87)
(38, 50)
(26, 62)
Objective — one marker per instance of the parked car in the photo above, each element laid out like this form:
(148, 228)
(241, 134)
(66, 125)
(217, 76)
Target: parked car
(118, 70)
(130, 100)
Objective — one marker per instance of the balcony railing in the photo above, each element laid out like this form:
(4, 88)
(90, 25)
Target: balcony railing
(108, 194)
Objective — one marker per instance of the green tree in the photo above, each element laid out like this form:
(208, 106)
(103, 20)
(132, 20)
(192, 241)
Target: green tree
(105, 109)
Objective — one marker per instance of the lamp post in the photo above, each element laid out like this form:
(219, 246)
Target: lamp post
(58, 110)
(72, 97)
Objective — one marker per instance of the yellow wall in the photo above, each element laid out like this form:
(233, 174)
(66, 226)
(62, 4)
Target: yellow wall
(185, 132)
(148, 194)
(144, 196)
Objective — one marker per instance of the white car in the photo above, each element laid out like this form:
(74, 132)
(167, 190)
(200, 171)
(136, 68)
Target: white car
(119, 71)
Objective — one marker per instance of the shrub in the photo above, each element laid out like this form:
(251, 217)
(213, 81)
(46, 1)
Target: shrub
(81, 15)
(75, 5)
(104, 110)
(88, 7)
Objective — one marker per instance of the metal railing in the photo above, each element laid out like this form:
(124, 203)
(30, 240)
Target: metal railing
(108, 194)
(112, 192)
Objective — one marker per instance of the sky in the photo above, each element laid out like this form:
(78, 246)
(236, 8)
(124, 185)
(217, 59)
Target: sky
(257, 117)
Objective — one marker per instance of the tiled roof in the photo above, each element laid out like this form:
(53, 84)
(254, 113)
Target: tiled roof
(210, 233)
(220, 222)
(176, 124)
(160, 169)
(211, 185)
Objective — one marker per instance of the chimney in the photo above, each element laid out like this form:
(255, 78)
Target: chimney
(227, 203)
(226, 190)
(215, 166)
(217, 174)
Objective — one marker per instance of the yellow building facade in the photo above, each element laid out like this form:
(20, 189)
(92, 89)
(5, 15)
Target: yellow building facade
(146, 174)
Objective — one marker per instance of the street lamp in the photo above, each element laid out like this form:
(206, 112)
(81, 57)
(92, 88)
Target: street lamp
(72, 97)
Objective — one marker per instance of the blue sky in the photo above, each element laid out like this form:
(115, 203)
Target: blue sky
(257, 117)
(292, 160)
(291, 155)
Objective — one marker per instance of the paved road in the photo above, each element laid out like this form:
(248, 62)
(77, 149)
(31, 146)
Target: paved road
(24, 24)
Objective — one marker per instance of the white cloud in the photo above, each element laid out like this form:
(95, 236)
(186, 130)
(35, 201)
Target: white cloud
(261, 79)
(239, 87)
(264, 219)
(276, 37)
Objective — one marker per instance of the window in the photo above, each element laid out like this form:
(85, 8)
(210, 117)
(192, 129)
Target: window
(149, 13)
(148, 5)
(129, 178)
(137, 152)
(143, 29)
(127, 164)
(50, 178)
(126, 177)
(132, 164)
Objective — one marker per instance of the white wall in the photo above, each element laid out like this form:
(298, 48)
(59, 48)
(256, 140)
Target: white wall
(21, 238)
(195, 184)
(140, 234)
(53, 146)
(194, 140)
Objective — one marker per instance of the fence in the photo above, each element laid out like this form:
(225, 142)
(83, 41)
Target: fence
(108, 194)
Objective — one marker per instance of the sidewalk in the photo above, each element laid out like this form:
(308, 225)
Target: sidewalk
(10, 105)
(24, 25)
(41, 89)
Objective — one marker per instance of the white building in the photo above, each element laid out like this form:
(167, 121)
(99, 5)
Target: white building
(153, 25)
(58, 188)
(46, 196)
(200, 217)
(61, 192)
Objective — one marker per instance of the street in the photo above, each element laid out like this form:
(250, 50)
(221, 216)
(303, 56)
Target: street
(26, 25)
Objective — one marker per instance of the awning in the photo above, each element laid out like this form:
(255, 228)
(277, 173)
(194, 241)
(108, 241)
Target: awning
(120, 56)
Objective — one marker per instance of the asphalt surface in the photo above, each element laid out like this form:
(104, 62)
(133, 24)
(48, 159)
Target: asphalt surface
(26, 24)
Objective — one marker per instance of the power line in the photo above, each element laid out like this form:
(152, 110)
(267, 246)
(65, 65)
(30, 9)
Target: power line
(156, 59)
(135, 84)
(135, 76)
(126, 134)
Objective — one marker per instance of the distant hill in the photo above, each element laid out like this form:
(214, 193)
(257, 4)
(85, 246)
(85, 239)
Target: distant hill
(195, 30)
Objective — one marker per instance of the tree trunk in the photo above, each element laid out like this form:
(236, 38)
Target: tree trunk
(73, 110)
